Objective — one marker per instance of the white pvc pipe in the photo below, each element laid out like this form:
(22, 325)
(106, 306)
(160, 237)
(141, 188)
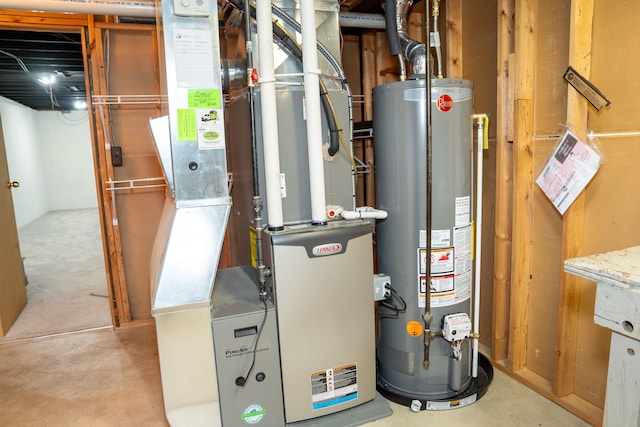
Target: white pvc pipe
(478, 249)
(313, 111)
(135, 8)
(362, 20)
(364, 212)
(269, 115)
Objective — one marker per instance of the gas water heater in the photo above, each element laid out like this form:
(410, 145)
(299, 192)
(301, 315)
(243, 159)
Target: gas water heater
(400, 152)
(425, 181)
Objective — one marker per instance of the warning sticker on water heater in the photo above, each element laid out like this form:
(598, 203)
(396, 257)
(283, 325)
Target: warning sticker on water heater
(334, 386)
(463, 211)
(451, 270)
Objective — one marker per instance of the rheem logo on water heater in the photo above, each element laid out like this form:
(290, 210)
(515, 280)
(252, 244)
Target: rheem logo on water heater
(444, 103)
(327, 249)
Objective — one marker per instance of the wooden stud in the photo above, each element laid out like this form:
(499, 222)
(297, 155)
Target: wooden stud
(121, 310)
(368, 72)
(523, 183)
(90, 41)
(504, 187)
(369, 81)
(580, 30)
(454, 39)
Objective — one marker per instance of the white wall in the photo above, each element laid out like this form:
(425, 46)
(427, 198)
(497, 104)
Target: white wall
(24, 157)
(68, 160)
(50, 154)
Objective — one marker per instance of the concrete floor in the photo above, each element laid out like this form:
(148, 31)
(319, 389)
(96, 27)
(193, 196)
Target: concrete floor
(103, 377)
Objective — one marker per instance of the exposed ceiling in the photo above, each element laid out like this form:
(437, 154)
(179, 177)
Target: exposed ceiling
(27, 57)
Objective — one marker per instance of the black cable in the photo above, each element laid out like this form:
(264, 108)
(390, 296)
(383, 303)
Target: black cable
(391, 303)
(241, 381)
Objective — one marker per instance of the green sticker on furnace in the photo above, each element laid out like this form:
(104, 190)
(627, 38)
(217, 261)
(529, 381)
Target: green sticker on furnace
(253, 414)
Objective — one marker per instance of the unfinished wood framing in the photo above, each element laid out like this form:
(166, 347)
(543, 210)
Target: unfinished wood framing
(504, 184)
(573, 220)
(522, 182)
(553, 345)
(131, 216)
(454, 39)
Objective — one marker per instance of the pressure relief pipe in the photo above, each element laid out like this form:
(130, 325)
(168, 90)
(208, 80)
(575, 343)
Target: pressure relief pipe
(313, 112)
(483, 131)
(267, 82)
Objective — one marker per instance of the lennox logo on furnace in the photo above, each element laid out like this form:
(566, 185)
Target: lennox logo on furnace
(327, 249)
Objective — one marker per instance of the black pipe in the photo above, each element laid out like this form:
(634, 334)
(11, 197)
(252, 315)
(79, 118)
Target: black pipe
(390, 10)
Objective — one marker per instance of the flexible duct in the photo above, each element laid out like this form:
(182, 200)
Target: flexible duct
(136, 8)
(393, 37)
(412, 50)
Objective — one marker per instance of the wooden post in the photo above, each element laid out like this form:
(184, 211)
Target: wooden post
(504, 187)
(581, 31)
(454, 39)
(121, 310)
(523, 183)
(370, 78)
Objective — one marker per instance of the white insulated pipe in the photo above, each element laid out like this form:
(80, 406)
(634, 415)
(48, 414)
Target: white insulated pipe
(135, 8)
(269, 115)
(483, 121)
(313, 111)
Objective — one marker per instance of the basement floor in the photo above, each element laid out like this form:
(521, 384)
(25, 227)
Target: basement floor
(103, 377)
(96, 376)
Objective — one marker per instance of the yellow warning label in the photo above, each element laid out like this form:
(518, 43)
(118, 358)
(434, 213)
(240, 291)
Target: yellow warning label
(414, 328)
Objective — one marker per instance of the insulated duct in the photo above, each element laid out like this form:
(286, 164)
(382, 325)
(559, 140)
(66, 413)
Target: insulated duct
(412, 50)
(135, 8)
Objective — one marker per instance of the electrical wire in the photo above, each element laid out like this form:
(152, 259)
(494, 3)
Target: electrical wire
(255, 345)
(23, 66)
(391, 303)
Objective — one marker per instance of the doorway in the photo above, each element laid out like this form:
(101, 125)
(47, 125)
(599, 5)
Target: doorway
(50, 154)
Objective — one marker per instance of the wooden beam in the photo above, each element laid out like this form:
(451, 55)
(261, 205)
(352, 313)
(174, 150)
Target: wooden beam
(581, 31)
(504, 187)
(525, 16)
(21, 18)
(454, 39)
